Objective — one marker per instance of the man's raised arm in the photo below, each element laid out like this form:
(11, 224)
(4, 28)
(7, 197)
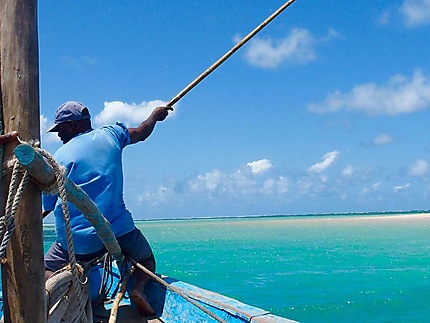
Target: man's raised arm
(144, 130)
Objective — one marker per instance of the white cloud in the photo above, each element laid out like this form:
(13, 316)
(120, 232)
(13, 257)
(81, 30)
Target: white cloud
(384, 18)
(415, 12)
(382, 139)
(260, 166)
(328, 160)
(241, 183)
(43, 122)
(268, 186)
(160, 196)
(373, 188)
(399, 95)
(282, 185)
(399, 188)
(297, 48)
(47, 138)
(277, 186)
(131, 114)
(209, 182)
(241, 188)
(418, 168)
(348, 170)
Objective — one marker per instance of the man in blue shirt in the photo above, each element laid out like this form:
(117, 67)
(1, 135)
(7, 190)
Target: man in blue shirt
(93, 160)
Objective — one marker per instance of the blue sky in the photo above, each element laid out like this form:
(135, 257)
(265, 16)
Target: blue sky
(325, 110)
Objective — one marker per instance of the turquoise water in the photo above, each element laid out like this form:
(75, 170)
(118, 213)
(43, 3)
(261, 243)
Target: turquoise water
(311, 269)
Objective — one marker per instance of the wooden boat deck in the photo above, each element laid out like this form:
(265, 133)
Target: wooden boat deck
(126, 313)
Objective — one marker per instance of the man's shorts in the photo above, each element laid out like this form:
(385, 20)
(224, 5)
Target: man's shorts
(57, 257)
(133, 244)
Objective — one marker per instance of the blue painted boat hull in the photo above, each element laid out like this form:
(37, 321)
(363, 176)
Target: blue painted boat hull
(171, 307)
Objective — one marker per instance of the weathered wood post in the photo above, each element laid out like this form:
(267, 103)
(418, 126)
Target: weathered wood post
(23, 272)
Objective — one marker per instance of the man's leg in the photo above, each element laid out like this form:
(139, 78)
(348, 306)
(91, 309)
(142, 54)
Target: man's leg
(141, 279)
(135, 245)
(55, 258)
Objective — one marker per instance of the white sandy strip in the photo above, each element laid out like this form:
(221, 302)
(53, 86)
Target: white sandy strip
(411, 217)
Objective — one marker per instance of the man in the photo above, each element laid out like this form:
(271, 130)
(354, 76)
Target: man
(93, 160)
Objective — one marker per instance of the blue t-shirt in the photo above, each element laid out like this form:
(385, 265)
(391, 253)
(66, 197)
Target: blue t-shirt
(93, 160)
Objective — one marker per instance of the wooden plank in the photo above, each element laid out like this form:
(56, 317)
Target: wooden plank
(126, 314)
(23, 272)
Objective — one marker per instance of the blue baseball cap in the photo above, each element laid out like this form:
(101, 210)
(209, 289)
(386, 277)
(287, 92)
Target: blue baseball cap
(69, 111)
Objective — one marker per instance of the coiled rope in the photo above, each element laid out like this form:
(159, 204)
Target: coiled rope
(7, 221)
(60, 181)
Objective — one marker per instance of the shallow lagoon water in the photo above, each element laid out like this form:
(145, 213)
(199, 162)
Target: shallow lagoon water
(311, 269)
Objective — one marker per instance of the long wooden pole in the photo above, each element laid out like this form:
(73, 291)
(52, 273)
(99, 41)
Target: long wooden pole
(23, 271)
(190, 86)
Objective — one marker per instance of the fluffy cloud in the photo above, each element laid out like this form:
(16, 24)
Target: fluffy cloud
(259, 166)
(382, 139)
(296, 48)
(275, 186)
(373, 188)
(399, 95)
(47, 138)
(131, 114)
(348, 170)
(242, 182)
(210, 182)
(415, 12)
(328, 160)
(384, 18)
(282, 185)
(418, 168)
(244, 188)
(399, 188)
(160, 196)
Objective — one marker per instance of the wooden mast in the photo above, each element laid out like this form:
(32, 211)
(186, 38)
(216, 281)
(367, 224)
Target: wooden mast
(23, 273)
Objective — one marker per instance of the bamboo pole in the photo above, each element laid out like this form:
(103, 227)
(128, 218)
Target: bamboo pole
(23, 272)
(200, 78)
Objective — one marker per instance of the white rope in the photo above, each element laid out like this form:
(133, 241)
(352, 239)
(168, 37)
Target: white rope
(7, 221)
(59, 175)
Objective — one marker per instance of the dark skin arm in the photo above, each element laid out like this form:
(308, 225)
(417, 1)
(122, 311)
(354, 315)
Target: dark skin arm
(144, 130)
(5, 139)
(8, 137)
